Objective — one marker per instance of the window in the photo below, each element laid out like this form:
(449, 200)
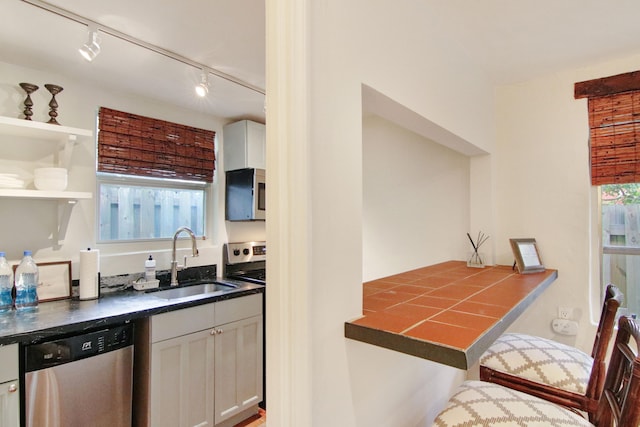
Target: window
(153, 176)
(614, 144)
(132, 208)
(621, 240)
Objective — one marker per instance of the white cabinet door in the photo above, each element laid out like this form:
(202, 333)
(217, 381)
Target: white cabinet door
(200, 378)
(182, 392)
(238, 368)
(9, 386)
(244, 145)
(9, 404)
(256, 145)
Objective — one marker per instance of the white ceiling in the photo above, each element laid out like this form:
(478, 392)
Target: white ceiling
(516, 40)
(511, 40)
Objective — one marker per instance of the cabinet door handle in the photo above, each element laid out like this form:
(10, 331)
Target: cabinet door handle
(13, 388)
(216, 331)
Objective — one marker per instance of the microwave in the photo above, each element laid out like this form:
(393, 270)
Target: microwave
(245, 195)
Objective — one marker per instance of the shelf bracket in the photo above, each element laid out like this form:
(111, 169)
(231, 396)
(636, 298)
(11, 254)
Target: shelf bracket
(66, 148)
(64, 214)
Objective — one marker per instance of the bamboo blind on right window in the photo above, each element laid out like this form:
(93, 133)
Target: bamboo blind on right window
(614, 127)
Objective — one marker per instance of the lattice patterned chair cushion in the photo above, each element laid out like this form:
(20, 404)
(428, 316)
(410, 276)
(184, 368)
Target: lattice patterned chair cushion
(540, 360)
(479, 403)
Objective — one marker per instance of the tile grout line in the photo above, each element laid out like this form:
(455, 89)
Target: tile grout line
(449, 308)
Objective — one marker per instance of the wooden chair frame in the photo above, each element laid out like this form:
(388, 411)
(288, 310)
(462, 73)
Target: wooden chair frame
(620, 402)
(587, 402)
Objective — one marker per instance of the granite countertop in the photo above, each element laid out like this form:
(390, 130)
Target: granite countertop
(448, 313)
(54, 318)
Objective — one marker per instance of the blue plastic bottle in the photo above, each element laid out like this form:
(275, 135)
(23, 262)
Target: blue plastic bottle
(6, 284)
(26, 283)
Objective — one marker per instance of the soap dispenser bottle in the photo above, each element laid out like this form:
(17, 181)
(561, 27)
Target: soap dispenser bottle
(150, 269)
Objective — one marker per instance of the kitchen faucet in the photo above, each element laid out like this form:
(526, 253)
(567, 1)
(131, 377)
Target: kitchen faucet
(174, 264)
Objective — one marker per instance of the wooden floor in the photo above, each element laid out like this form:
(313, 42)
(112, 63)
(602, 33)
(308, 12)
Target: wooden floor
(260, 419)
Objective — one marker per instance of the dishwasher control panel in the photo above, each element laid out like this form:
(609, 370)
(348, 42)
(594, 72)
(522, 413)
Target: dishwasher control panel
(57, 352)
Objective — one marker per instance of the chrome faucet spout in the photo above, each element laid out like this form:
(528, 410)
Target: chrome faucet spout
(174, 264)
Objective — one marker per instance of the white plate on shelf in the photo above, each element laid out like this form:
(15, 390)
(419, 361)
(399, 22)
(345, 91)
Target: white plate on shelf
(11, 180)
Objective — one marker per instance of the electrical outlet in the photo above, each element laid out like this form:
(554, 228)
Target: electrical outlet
(565, 327)
(565, 312)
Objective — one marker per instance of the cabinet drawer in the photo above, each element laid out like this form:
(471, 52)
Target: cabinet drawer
(8, 362)
(182, 322)
(238, 308)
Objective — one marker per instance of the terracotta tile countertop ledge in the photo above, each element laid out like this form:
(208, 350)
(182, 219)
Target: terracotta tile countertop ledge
(448, 313)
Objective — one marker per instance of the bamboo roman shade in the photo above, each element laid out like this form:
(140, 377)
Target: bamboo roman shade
(135, 145)
(614, 123)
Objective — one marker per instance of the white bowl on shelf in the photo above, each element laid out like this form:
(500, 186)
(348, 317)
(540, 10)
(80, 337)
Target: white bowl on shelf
(50, 179)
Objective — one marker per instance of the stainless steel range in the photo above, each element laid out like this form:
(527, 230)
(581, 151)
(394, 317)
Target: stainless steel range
(245, 261)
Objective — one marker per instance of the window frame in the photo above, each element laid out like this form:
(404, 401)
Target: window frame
(611, 250)
(163, 183)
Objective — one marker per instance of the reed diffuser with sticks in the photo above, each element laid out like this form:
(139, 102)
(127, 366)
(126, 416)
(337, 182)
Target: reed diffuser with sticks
(476, 259)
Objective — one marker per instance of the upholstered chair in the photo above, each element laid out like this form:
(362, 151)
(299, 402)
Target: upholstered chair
(551, 370)
(481, 403)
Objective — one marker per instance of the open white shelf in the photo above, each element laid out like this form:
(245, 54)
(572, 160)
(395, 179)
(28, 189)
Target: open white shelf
(64, 138)
(44, 195)
(40, 130)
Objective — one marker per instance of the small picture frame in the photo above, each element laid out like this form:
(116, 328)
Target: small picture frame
(527, 255)
(54, 280)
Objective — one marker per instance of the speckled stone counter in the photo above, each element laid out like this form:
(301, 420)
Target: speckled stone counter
(56, 318)
(448, 313)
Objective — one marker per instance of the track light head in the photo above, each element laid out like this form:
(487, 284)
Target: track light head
(91, 48)
(202, 88)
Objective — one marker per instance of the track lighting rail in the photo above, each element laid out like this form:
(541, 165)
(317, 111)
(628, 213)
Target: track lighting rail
(122, 36)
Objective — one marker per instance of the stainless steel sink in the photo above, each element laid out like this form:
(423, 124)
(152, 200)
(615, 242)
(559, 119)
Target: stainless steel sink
(193, 290)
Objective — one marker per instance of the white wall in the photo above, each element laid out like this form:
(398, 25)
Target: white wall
(535, 184)
(544, 191)
(29, 224)
(415, 200)
(319, 55)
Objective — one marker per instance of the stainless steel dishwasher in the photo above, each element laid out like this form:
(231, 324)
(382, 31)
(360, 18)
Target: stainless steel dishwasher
(82, 380)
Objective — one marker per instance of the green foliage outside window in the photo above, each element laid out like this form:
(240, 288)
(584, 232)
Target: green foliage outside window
(621, 194)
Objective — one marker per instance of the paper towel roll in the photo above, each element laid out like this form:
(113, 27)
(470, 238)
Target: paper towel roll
(89, 274)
